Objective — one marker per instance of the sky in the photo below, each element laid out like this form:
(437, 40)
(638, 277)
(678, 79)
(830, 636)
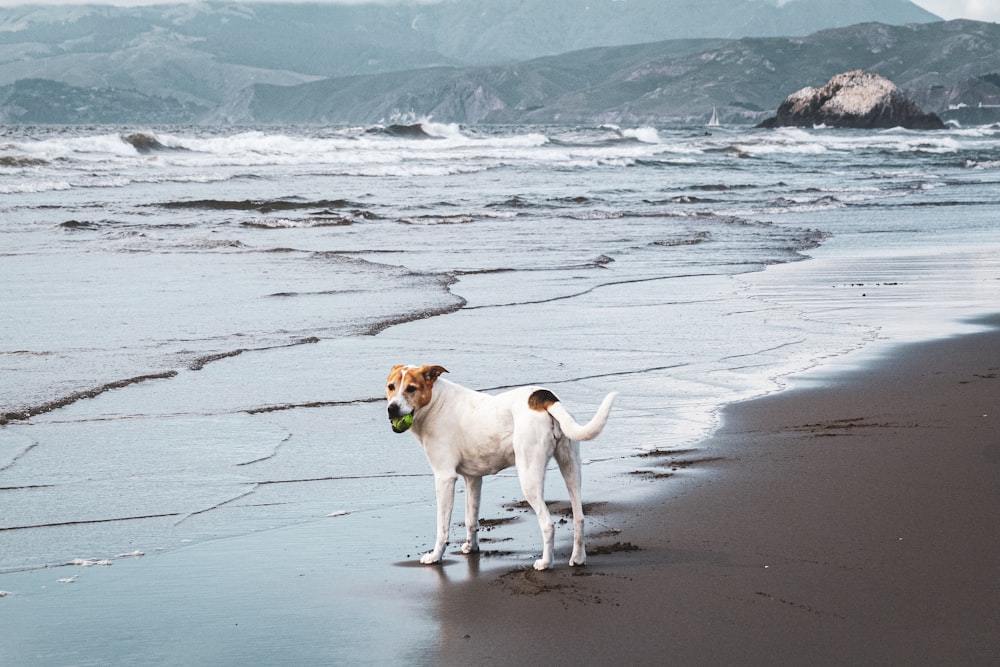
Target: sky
(980, 10)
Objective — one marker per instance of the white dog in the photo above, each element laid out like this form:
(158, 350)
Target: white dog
(470, 433)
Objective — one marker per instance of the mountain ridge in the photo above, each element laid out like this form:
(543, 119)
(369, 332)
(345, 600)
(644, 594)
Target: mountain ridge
(204, 53)
(193, 64)
(936, 64)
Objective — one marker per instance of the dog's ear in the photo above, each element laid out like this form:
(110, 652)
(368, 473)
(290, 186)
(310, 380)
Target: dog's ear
(431, 373)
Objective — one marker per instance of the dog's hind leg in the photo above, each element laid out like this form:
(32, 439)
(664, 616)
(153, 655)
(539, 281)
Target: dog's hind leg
(568, 456)
(444, 486)
(473, 491)
(532, 477)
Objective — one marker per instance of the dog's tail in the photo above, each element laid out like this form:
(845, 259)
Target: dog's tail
(546, 400)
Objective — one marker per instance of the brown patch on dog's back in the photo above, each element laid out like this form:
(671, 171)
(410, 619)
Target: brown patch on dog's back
(541, 399)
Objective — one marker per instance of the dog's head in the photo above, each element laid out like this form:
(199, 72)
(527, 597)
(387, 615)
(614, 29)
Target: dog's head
(408, 389)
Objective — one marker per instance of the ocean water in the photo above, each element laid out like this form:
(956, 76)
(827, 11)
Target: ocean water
(196, 323)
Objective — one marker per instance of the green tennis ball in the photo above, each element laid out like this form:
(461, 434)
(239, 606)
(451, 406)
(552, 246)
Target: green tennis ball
(400, 424)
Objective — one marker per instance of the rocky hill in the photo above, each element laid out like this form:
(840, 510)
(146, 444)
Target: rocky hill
(44, 101)
(467, 60)
(207, 54)
(936, 65)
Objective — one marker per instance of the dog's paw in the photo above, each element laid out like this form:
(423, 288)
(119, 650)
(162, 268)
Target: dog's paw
(469, 548)
(542, 564)
(430, 558)
(578, 559)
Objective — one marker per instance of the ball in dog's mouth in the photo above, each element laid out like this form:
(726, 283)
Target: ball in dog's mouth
(401, 424)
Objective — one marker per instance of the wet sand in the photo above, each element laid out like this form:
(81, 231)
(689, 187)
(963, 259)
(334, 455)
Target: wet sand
(849, 520)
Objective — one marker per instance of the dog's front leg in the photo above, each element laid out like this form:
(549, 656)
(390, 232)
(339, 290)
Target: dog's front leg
(473, 492)
(444, 487)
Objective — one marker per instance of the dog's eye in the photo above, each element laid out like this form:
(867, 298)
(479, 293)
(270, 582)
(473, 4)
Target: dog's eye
(391, 387)
(410, 389)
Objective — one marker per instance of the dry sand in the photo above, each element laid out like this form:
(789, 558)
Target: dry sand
(850, 522)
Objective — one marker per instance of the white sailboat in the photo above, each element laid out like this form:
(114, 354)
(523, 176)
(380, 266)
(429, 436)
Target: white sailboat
(714, 120)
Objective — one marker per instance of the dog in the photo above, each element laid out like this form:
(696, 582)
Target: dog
(473, 434)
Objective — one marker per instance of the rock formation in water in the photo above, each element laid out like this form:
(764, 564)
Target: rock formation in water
(853, 99)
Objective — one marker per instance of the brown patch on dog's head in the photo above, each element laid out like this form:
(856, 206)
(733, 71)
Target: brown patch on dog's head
(541, 399)
(409, 388)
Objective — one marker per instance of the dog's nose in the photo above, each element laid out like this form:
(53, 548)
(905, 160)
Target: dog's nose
(393, 410)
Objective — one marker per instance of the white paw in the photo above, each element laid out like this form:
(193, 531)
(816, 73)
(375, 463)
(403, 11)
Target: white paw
(431, 558)
(469, 547)
(542, 564)
(578, 559)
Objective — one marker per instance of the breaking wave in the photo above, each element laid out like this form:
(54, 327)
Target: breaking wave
(148, 143)
(261, 206)
(420, 130)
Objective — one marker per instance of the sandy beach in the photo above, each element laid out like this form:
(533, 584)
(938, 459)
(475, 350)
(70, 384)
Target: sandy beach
(849, 520)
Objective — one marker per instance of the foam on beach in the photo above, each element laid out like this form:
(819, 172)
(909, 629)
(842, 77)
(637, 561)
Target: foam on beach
(90, 562)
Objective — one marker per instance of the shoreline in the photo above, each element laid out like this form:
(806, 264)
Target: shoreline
(849, 520)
